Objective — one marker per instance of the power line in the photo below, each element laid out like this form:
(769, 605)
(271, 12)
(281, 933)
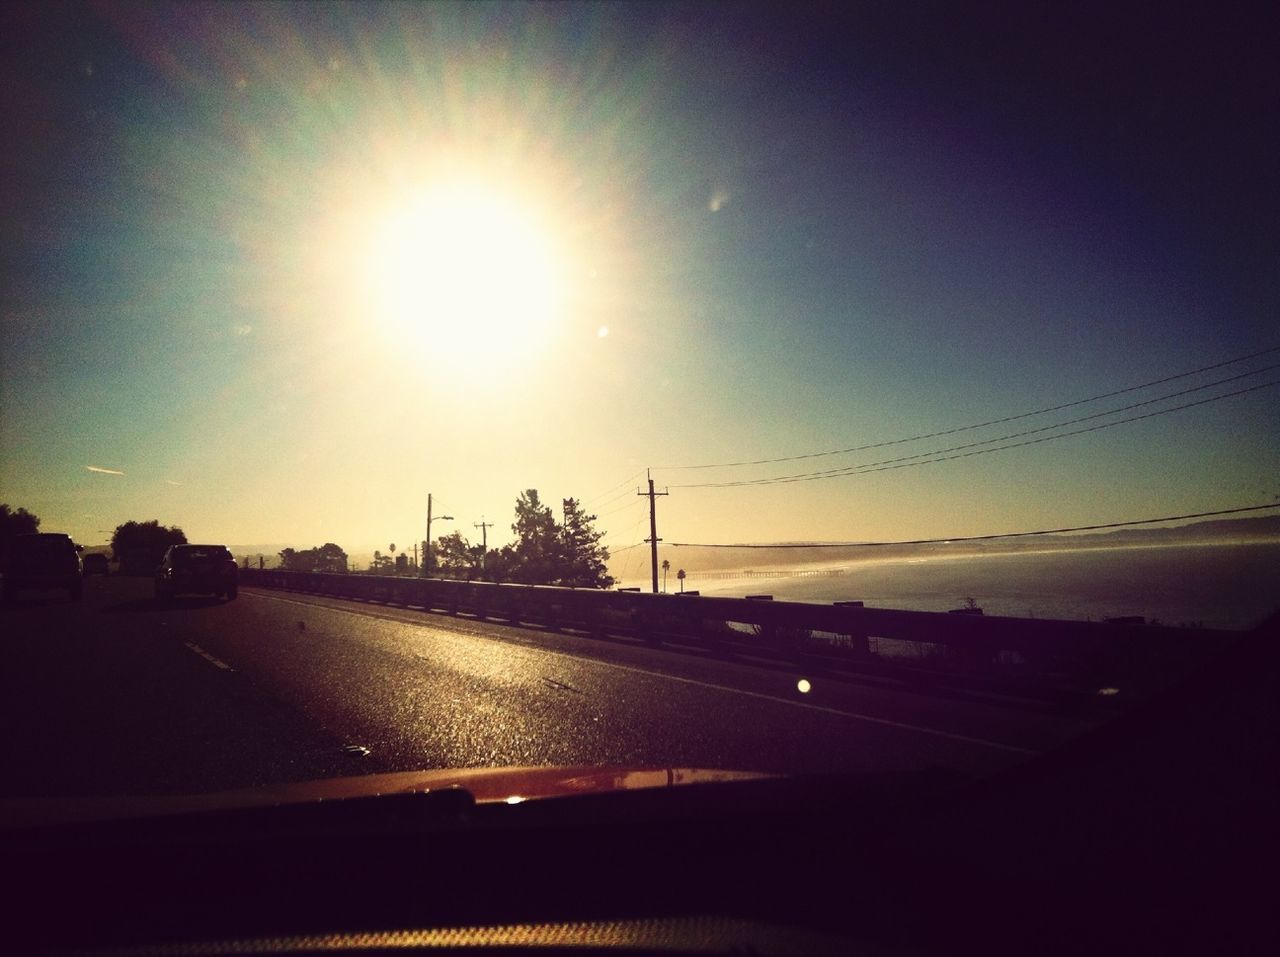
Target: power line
(891, 464)
(622, 508)
(613, 498)
(635, 530)
(977, 425)
(627, 481)
(1017, 435)
(983, 538)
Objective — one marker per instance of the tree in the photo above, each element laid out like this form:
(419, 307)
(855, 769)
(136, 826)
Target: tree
(500, 564)
(330, 558)
(537, 547)
(680, 576)
(583, 560)
(16, 522)
(666, 567)
(140, 546)
(454, 554)
(327, 558)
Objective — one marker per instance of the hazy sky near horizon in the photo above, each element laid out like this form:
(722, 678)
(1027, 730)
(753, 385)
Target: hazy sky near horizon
(274, 272)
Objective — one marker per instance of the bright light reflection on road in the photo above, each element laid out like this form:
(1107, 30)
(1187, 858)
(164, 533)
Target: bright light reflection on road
(803, 686)
(515, 799)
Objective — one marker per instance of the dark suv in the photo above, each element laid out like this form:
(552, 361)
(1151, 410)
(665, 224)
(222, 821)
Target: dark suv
(203, 569)
(95, 563)
(42, 560)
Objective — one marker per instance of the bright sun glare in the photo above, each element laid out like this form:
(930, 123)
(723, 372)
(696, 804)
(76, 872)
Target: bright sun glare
(461, 271)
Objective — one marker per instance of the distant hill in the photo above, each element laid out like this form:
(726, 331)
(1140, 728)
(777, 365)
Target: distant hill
(1254, 529)
(1223, 529)
(266, 551)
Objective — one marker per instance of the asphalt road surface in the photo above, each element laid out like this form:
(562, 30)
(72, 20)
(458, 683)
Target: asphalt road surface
(119, 695)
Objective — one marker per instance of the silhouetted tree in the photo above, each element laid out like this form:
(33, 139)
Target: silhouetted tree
(330, 558)
(327, 558)
(16, 522)
(583, 560)
(666, 567)
(537, 547)
(454, 554)
(140, 546)
(500, 564)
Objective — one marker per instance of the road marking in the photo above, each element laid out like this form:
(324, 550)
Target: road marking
(560, 685)
(805, 705)
(217, 662)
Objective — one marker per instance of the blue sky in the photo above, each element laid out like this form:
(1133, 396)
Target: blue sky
(773, 233)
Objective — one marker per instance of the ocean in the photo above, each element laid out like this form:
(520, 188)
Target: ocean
(1221, 585)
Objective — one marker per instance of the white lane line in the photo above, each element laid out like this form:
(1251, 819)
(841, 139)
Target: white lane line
(857, 716)
(217, 662)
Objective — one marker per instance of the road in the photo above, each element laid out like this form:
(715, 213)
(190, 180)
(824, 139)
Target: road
(119, 695)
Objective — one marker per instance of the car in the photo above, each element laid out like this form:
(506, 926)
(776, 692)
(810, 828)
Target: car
(96, 564)
(42, 560)
(196, 569)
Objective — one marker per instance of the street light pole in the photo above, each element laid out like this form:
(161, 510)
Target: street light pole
(426, 546)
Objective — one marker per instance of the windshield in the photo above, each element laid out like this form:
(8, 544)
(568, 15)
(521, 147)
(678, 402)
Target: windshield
(194, 554)
(739, 387)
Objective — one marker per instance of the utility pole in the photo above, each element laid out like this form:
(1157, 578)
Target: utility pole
(484, 541)
(426, 546)
(653, 538)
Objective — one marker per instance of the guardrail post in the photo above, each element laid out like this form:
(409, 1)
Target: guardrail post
(767, 630)
(707, 637)
(858, 640)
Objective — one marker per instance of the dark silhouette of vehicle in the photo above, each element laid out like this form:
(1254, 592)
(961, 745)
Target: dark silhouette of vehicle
(196, 569)
(42, 560)
(96, 564)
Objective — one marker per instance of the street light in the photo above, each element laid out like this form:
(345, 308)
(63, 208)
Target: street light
(426, 546)
(426, 551)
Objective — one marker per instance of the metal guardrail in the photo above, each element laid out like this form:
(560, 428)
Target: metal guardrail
(840, 634)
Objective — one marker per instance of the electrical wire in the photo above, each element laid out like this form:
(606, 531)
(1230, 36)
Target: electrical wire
(892, 464)
(977, 425)
(621, 508)
(627, 481)
(981, 538)
(1015, 435)
(615, 498)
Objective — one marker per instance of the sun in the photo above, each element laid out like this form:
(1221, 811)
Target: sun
(461, 272)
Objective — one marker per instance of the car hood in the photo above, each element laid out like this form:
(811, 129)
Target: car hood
(511, 785)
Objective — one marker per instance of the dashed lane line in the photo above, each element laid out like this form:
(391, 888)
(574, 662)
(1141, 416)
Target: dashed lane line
(216, 662)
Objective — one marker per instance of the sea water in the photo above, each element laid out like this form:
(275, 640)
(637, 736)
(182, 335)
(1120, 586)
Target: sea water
(1225, 585)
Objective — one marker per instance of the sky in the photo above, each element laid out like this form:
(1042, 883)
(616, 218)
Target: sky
(274, 273)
